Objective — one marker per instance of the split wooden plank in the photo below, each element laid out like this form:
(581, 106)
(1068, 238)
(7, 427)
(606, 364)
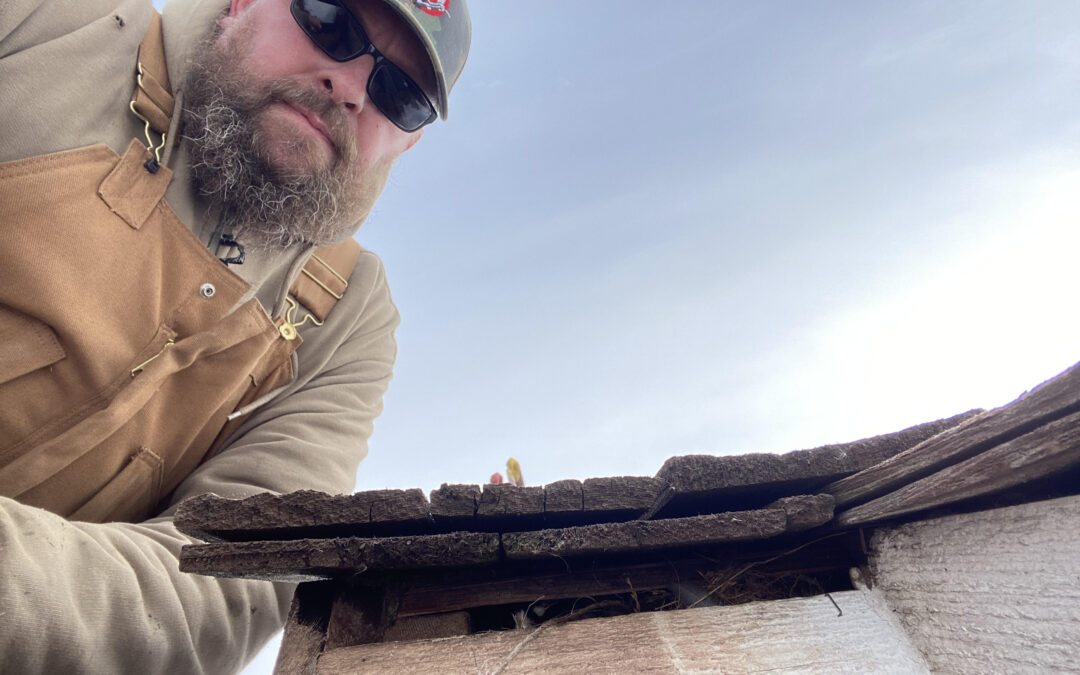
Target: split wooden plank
(510, 501)
(1052, 400)
(709, 477)
(1049, 449)
(305, 629)
(306, 559)
(805, 511)
(301, 514)
(805, 635)
(643, 535)
(620, 497)
(455, 502)
(564, 502)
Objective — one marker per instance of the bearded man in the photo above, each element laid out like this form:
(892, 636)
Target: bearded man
(178, 196)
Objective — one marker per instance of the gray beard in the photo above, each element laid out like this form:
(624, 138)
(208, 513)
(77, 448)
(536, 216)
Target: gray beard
(270, 207)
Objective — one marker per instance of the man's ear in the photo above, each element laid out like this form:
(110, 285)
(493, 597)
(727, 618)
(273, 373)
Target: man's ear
(237, 6)
(415, 137)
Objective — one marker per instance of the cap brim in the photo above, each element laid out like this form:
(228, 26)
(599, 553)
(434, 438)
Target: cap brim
(442, 93)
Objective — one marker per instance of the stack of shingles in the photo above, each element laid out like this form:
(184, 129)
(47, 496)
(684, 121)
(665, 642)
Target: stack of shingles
(693, 501)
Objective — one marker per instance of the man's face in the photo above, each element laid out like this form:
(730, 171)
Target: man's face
(314, 145)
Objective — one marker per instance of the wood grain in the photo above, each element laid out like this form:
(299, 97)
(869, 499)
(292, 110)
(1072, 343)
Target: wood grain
(1047, 450)
(305, 629)
(1052, 400)
(793, 472)
(644, 535)
(620, 497)
(303, 559)
(301, 514)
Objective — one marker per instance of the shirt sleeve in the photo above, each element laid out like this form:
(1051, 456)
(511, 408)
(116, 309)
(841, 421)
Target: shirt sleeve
(86, 597)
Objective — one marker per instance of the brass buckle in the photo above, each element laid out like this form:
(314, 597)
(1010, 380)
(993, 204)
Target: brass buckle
(337, 296)
(156, 150)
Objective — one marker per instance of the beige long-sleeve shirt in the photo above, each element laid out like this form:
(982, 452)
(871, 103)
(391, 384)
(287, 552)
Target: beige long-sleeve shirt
(108, 598)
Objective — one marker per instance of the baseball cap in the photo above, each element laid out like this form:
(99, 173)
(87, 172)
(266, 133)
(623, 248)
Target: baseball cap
(445, 29)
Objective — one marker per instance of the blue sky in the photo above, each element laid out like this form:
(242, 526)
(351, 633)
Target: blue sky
(653, 229)
(726, 227)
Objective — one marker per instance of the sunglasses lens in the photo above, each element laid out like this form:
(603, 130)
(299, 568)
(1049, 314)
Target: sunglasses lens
(331, 27)
(334, 30)
(399, 98)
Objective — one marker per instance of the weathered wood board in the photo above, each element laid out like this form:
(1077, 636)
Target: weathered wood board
(644, 535)
(502, 501)
(995, 591)
(620, 497)
(805, 511)
(690, 480)
(455, 502)
(1052, 400)
(305, 559)
(299, 514)
(308, 559)
(305, 630)
(804, 635)
(1043, 452)
(564, 502)
(697, 477)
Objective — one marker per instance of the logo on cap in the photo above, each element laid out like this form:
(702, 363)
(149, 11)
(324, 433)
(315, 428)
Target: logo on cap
(433, 7)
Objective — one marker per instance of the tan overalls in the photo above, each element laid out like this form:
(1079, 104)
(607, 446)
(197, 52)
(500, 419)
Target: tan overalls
(122, 349)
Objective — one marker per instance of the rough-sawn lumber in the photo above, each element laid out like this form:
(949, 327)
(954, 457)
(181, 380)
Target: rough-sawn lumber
(1047, 450)
(1051, 400)
(307, 559)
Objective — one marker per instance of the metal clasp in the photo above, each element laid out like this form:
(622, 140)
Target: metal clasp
(288, 328)
(156, 150)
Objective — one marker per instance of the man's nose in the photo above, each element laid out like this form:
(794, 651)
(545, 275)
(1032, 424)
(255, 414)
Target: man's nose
(346, 82)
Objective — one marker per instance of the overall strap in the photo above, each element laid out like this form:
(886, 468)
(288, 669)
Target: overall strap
(325, 277)
(152, 100)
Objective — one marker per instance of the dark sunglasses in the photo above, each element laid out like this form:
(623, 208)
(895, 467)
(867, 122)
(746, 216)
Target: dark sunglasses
(336, 31)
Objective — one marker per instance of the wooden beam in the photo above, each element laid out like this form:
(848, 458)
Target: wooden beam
(526, 588)
(1052, 400)
(1047, 450)
(361, 613)
(305, 629)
